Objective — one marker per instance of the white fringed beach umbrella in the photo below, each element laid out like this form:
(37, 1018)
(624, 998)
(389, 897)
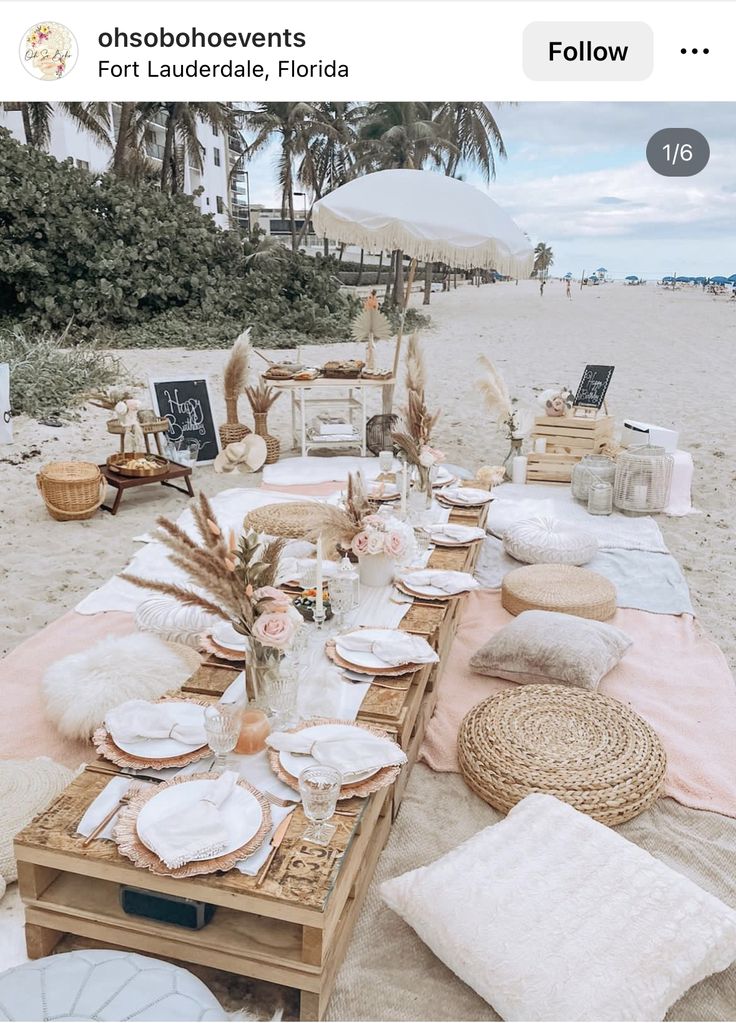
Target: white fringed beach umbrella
(427, 215)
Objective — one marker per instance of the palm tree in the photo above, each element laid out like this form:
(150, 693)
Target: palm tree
(181, 141)
(395, 135)
(292, 124)
(543, 259)
(94, 118)
(471, 135)
(129, 159)
(328, 160)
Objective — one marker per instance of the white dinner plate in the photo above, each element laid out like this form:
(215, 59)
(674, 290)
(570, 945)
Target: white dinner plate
(468, 534)
(389, 492)
(364, 658)
(162, 749)
(294, 765)
(443, 478)
(241, 812)
(473, 497)
(225, 635)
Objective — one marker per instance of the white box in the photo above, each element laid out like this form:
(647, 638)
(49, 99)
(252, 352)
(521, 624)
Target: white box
(647, 433)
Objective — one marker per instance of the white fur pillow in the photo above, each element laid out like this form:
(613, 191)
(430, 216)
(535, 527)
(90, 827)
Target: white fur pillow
(545, 541)
(548, 646)
(550, 915)
(80, 689)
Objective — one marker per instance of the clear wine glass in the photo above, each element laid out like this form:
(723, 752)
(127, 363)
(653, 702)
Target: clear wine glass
(319, 787)
(222, 728)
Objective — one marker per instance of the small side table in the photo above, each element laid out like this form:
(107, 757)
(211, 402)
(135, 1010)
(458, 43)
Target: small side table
(122, 483)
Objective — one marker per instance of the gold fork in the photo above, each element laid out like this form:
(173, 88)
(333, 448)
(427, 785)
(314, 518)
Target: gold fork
(134, 789)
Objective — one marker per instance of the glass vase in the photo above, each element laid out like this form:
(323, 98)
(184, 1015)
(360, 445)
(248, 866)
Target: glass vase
(514, 450)
(262, 664)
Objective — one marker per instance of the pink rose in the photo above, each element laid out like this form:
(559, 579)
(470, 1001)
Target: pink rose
(395, 544)
(274, 629)
(375, 542)
(271, 599)
(360, 543)
(439, 456)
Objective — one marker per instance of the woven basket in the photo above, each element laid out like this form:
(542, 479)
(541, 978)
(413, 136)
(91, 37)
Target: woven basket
(233, 433)
(273, 447)
(71, 490)
(564, 588)
(586, 749)
(289, 520)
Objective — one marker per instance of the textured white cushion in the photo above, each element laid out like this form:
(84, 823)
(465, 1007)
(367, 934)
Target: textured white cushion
(550, 915)
(548, 646)
(174, 622)
(100, 984)
(26, 788)
(549, 542)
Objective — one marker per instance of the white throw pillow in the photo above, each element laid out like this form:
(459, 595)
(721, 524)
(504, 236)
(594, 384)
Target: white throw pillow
(545, 541)
(550, 915)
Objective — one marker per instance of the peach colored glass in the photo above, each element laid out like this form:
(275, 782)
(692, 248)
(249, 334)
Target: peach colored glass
(254, 730)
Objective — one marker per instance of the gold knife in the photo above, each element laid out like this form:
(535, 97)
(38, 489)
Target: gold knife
(276, 840)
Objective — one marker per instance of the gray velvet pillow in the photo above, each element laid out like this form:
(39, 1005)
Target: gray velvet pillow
(547, 646)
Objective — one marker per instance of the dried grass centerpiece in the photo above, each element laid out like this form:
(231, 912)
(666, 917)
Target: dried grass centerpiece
(515, 422)
(235, 379)
(261, 398)
(235, 580)
(415, 439)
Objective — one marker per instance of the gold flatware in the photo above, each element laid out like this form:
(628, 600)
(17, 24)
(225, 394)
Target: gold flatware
(276, 840)
(132, 790)
(278, 801)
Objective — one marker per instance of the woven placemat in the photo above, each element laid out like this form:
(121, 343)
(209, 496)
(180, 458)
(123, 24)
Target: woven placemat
(291, 519)
(564, 588)
(586, 749)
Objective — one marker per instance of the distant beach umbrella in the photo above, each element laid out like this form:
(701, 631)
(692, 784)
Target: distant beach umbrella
(601, 270)
(719, 280)
(428, 216)
(668, 280)
(684, 280)
(699, 280)
(732, 279)
(631, 277)
(567, 277)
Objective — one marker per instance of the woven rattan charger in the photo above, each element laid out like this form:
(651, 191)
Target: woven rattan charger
(586, 749)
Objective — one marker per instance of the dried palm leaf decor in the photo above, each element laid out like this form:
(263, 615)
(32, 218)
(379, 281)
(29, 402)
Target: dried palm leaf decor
(235, 378)
(370, 325)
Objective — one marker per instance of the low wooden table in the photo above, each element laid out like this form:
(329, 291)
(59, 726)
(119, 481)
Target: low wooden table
(295, 929)
(122, 483)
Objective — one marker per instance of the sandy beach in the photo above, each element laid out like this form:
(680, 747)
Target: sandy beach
(673, 367)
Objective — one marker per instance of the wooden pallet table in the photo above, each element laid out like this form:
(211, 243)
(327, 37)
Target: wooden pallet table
(292, 931)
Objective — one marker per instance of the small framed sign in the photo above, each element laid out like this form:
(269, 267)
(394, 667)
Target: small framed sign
(591, 392)
(185, 402)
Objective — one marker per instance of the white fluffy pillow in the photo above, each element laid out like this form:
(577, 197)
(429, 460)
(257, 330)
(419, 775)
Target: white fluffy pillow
(550, 915)
(545, 541)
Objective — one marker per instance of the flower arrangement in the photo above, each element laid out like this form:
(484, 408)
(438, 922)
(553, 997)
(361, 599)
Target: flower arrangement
(557, 401)
(381, 536)
(516, 422)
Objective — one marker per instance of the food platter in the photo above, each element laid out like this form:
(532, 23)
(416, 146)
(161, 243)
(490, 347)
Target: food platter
(138, 463)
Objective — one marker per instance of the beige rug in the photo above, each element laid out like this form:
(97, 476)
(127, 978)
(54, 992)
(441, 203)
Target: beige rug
(389, 974)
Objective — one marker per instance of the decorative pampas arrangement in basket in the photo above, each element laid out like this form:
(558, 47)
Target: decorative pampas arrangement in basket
(234, 382)
(261, 398)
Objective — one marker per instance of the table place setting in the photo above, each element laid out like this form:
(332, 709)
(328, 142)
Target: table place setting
(436, 584)
(140, 734)
(449, 534)
(364, 758)
(463, 497)
(380, 651)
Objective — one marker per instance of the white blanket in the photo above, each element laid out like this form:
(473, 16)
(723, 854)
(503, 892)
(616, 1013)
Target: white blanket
(311, 471)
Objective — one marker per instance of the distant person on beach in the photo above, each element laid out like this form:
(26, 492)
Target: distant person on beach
(568, 289)
(371, 301)
(541, 287)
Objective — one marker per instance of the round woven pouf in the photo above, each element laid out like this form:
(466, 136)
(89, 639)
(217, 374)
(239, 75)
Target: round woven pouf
(586, 749)
(26, 788)
(289, 520)
(564, 588)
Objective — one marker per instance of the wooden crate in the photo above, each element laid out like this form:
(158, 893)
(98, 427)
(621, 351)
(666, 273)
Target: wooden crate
(568, 440)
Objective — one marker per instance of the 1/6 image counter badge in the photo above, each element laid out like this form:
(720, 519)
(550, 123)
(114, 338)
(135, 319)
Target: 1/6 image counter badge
(48, 50)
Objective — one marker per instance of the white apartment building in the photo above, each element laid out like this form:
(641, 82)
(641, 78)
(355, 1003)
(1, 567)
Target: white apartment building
(224, 195)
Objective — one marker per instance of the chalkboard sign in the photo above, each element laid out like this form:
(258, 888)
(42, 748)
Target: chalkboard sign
(186, 404)
(591, 392)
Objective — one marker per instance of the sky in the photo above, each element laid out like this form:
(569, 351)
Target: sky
(577, 179)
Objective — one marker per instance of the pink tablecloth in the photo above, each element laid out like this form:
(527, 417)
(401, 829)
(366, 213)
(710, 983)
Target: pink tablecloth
(24, 730)
(674, 676)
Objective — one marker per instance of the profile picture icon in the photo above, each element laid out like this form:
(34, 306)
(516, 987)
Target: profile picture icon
(48, 50)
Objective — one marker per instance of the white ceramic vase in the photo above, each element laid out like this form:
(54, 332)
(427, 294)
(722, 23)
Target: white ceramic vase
(375, 569)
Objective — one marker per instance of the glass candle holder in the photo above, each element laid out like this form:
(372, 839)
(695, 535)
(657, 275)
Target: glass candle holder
(600, 499)
(254, 730)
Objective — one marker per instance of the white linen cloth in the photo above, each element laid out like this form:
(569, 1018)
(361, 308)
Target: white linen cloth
(441, 579)
(350, 755)
(680, 502)
(311, 471)
(106, 801)
(393, 648)
(197, 833)
(465, 495)
(455, 532)
(516, 502)
(139, 719)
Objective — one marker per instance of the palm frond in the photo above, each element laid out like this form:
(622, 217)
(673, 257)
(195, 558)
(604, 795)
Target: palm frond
(179, 593)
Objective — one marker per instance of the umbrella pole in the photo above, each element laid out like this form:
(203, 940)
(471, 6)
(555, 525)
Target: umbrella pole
(388, 392)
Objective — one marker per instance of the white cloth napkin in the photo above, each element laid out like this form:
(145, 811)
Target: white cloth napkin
(452, 531)
(197, 833)
(107, 800)
(464, 495)
(393, 648)
(348, 754)
(440, 579)
(139, 719)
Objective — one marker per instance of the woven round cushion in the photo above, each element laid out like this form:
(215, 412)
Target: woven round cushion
(102, 984)
(564, 588)
(288, 519)
(584, 748)
(547, 541)
(26, 788)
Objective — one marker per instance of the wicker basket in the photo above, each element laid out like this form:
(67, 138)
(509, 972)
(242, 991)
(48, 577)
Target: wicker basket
(273, 447)
(71, 490)
(233, 433)
(565, 588)
(586, 749)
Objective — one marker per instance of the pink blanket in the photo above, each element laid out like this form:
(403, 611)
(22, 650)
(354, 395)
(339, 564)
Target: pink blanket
(24, 731)
(674, 676)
